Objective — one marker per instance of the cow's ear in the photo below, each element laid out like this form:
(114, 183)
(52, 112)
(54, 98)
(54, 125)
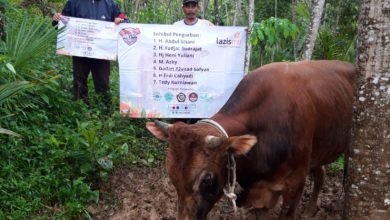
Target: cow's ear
(159, 131)
(240, 145)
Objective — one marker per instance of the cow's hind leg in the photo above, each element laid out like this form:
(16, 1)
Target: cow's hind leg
(318, 177)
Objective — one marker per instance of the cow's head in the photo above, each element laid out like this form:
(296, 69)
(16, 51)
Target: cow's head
(196, 163)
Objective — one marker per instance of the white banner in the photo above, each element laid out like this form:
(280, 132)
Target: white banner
(87, 38)
(169, 71)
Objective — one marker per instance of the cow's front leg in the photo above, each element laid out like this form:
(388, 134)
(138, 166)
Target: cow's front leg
(242, 197)
(261, 214)
(291, 197)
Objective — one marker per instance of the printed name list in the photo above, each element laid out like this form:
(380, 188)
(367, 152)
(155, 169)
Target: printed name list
(173, 58)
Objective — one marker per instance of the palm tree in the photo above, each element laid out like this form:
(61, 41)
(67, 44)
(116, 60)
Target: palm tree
(26, 41)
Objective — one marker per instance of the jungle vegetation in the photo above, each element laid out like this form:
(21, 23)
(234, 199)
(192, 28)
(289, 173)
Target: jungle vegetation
(54, 151)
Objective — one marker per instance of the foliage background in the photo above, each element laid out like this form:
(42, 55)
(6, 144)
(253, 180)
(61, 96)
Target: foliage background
(54, 151)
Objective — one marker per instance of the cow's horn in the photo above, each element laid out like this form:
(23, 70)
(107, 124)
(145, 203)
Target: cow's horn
(162, 125)
(213, 141)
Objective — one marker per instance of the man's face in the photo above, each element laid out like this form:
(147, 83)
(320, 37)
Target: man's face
(190, 10)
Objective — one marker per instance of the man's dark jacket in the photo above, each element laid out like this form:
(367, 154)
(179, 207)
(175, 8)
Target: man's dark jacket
(104, 10)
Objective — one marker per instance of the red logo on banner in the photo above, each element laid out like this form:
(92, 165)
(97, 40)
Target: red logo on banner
(193, 97)
(129, 35)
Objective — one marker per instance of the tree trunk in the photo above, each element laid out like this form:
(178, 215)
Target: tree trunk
(154, 11)
(136, 8)
(294, 20)
(2, 22)
(218, 20)
(251, 9)
(227, 14)
(276, 9)
(318, 6)
(368, 182)
(237, 12)
(169, 11)
(205, 8)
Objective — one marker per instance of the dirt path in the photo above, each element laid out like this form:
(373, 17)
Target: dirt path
(146, 193)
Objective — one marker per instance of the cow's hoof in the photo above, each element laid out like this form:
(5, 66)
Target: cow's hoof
(310, 212)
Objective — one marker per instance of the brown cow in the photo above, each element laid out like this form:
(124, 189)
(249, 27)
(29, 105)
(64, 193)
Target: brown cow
(282, 121)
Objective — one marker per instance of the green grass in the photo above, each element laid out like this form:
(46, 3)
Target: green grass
(336, 167)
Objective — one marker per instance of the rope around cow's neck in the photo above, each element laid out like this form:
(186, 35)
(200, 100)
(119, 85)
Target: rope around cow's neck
(231, 165)
(229, 189)
(216, 125)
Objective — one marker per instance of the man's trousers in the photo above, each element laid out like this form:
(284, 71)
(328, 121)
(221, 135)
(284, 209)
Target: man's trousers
(100, 74)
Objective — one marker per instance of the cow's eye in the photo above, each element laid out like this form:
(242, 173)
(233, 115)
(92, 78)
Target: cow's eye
(208, 186)
(207, 179)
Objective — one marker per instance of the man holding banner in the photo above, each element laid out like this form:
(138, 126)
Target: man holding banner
(103, 10)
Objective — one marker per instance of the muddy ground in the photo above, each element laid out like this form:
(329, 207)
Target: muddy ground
(146, 193)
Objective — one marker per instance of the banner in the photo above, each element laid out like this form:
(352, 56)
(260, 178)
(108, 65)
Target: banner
(169, 71)
(87, 38)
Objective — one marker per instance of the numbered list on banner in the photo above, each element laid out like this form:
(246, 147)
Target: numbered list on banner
(176, 72)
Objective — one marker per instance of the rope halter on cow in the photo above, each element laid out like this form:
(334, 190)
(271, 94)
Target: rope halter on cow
(231, 165)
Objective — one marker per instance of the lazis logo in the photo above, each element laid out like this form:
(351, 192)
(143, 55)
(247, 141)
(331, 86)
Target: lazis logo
(225, 41)
(231, 41)
(129, 35)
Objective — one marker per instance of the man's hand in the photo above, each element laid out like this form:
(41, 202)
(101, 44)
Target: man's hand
(57, 17)
(119, 20)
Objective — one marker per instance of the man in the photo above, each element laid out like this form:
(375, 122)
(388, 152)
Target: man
(190, 9)
(105, 10)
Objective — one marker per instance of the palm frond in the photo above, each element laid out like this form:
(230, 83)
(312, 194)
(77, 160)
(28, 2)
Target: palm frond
(8, 132)
(28, 40)
(9, 89)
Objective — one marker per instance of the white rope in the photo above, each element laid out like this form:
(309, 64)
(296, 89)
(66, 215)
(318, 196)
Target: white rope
(215, 125)
(229, 189)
